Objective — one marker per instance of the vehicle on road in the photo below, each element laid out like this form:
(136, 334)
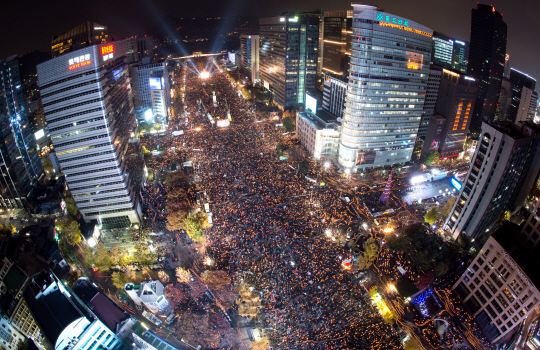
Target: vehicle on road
(152, 318)
(170, 319)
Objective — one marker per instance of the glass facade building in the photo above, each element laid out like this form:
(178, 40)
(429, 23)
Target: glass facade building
(522, 87)
(460, 56)
(450, 53)
(151, 87)
(86, 34)
(390, 58)
(249, 51)
(487, 57)
(288, 57)
(442, 50)
(87, 104)
(20, 166)
(337, 43)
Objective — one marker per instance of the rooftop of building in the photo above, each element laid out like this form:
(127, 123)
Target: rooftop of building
(438, 116)
(508, 236)
(321, 120)
(157, 342)
(14, 279)
(100, 305)
(155, 286)
(54, 311)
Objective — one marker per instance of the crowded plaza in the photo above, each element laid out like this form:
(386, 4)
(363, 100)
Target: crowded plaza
(270, 224)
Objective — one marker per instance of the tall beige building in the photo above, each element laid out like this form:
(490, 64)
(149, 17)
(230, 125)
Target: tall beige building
(500, 287)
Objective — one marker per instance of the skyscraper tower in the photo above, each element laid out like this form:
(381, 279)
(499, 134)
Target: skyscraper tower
(86, 34)
(19, 163)
(486, 61)
(87, 105)
(388, 77)
(288, 56)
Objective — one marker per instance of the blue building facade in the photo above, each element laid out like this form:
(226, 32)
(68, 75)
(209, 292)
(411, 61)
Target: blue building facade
(20, 166)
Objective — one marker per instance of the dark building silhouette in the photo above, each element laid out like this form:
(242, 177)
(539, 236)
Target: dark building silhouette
(486, 61)
(86, 34)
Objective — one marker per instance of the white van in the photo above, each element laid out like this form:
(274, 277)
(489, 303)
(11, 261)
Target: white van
(170, 318)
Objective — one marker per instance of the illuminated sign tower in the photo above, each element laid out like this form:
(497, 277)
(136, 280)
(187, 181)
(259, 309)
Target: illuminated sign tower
(20, 166)
(388, 76)
(87, 104)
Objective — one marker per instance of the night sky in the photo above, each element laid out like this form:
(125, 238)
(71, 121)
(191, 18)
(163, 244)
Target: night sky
(29, 25)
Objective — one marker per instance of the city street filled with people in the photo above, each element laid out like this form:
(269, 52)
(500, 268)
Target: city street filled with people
(269, 222)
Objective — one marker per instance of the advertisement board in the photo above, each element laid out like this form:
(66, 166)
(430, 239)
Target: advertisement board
(155, 83)
(311, 103)
(437, 138)
(222, 123)
(39, 134)
(232, 57)
(365, 157)
(455, 183)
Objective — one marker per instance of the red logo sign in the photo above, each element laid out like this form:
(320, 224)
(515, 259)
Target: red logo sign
(106, 49)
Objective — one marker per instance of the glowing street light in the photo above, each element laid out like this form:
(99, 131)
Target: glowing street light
(91, 242)
(328, 233)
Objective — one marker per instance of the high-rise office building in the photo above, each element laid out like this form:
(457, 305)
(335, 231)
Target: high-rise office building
(337, 36)
(523, 86)
(517, 98)
(386, 88)
(138, 48)
(336, 55)
(288, 57)
(505, 99)
(334, 92)
(86, 34)
(504, 168)
(87, 103)
(432, 91)
(460, 56)
(457, 95)
(527, 105)
(450, 53)
(20, 166)
(249, 51)
(442, 50)
(486, 61)
(151, 87)
(500, 288)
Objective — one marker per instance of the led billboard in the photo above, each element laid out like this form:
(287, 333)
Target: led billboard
(39, 134)
(155, 83)
(311, 103)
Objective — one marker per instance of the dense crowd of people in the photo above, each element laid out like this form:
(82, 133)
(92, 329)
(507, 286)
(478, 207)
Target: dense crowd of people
(270, 222)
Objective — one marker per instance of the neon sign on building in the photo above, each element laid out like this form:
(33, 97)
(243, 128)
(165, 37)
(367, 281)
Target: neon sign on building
(79, 61)
(395, 20)
(107, 52)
